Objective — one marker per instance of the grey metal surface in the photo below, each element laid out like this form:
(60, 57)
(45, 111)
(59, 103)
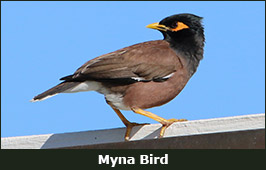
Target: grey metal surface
(249, 139)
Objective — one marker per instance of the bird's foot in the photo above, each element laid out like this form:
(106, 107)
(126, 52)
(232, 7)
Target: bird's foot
(167, 123)
(129, 126)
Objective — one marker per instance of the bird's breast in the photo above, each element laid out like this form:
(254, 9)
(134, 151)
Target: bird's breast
(150, 94)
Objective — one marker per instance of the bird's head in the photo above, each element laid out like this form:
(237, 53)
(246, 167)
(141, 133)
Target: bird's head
(180, 27)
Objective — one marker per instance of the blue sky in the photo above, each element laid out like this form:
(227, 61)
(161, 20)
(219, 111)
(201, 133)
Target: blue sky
(44, 41)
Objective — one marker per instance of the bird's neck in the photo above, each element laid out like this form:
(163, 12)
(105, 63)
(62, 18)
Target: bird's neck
(191, 51)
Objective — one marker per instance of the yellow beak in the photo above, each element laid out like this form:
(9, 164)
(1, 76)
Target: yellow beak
(157, 26)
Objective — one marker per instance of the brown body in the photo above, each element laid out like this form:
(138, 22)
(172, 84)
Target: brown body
(147, 95)
(150, 94)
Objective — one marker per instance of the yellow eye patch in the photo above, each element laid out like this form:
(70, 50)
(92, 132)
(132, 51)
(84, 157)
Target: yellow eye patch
(180, 26)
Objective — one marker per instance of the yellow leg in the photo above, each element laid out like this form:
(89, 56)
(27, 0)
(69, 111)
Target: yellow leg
(166, 123)
(128, 124)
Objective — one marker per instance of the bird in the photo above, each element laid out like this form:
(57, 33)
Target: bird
(143, 75)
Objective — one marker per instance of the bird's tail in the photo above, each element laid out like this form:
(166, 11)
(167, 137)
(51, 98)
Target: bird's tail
(54, 90)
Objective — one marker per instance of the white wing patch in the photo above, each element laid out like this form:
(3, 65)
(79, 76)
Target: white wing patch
(138, 78)
(168, 76)
(142, 79)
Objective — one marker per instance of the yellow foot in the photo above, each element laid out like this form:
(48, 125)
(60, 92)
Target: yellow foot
(129, 126)
(167, 123)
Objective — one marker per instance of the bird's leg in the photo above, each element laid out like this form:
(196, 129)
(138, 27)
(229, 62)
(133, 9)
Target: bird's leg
(128, 124)
(166, 123)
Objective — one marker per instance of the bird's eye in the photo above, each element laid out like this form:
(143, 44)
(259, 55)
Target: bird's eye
(174, 25)
(179, 26)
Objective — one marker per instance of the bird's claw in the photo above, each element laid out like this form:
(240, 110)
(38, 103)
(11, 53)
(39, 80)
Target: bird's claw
(167, 123)
(129, 126)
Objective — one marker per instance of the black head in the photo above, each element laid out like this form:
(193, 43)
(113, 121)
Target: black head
(180, 27)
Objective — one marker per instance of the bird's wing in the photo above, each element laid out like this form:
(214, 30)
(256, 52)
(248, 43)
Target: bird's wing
(149, 61)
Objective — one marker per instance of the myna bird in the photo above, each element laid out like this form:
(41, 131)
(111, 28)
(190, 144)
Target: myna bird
(143, 75)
